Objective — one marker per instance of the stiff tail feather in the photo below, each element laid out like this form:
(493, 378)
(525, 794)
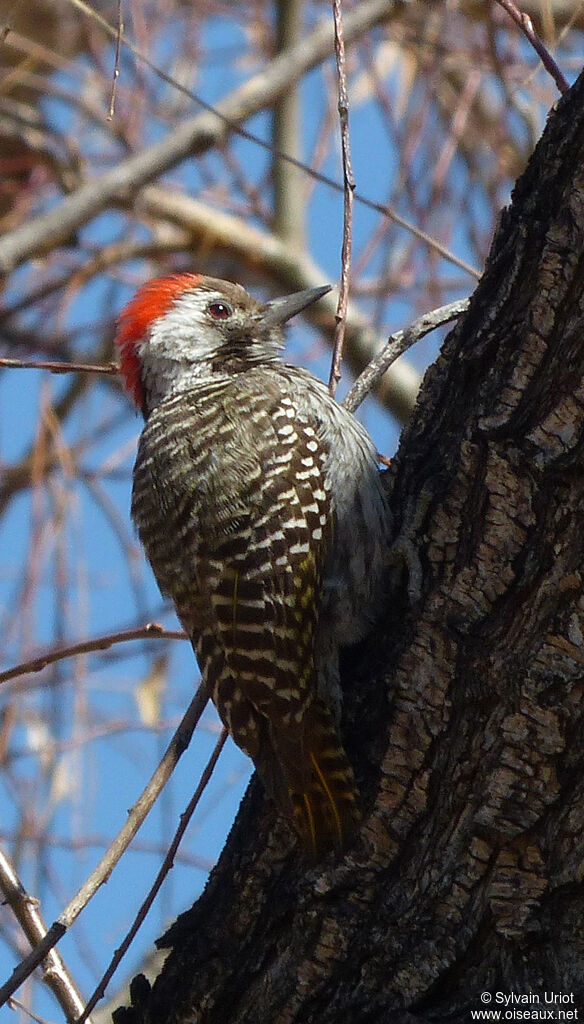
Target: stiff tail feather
(322, 790)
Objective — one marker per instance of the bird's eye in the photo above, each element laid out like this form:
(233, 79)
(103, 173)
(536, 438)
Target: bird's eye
(220, 310)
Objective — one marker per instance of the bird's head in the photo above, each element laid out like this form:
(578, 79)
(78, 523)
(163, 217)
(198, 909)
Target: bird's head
(188, 327)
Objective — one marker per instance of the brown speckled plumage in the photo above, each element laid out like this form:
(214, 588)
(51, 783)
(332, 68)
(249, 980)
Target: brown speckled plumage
(258, 501)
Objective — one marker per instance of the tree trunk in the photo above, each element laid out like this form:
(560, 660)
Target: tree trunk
(464, 713)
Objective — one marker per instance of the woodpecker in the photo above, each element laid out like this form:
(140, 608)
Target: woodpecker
(259, 503)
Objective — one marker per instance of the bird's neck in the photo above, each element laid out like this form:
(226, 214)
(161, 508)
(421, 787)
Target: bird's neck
(165, 379)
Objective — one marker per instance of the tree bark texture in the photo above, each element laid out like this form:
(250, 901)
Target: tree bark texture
(464, 713)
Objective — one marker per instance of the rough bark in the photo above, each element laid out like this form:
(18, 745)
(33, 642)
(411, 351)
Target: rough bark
(464, 714)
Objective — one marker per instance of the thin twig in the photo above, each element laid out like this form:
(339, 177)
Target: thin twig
(82, 843)
(524, 22)
(26, 910)
(55, 367)
(396, 345)
(98, 643)
(349, 189)
(15, 1004)
(136, 817)
(116, 75)
(164, 869)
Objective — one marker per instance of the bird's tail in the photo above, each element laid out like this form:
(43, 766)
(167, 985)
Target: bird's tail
(321, 786)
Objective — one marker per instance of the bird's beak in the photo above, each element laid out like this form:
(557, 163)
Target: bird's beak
(278, 311)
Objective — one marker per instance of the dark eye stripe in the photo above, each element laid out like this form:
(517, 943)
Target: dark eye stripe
(220, 310)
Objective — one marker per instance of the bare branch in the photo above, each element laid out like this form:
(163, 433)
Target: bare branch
(288, 196)
(165, 868)
(26, 910)
(136, 817)
(349, 188)
(116, 75)
(53, 367)
(523, 21)
(100, 643)
(396, 345)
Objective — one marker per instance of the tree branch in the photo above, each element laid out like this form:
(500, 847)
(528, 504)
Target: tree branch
(349, 189)
(117, 848)
(26, 911)
(99, 643)
(155, 887)
(523, 21)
